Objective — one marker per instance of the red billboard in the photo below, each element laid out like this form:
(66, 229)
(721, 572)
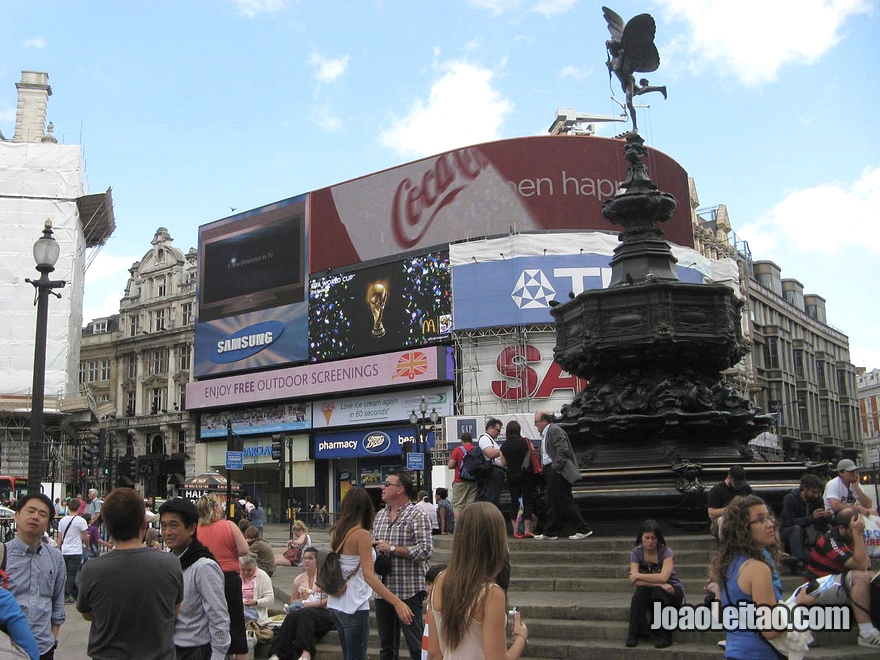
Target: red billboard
(521, 184)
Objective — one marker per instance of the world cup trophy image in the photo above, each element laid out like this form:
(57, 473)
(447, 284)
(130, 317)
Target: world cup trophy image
(377, 296)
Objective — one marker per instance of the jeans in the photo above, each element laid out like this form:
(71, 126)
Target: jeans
(354, 633)
(793, 539)
(390, 628)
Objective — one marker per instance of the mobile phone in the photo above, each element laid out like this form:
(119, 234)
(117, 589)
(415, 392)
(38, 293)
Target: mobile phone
(511, 617)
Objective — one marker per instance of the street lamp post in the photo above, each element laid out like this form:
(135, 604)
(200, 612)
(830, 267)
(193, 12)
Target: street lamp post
(422, 422)
(46, 253)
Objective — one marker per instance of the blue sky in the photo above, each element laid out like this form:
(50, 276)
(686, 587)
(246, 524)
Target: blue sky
(189, 109)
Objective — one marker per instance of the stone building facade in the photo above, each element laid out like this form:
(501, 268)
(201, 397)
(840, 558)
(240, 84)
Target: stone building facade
(135, 366)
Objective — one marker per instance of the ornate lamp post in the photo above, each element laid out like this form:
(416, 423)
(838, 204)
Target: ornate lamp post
(46, 253)
(422, 422)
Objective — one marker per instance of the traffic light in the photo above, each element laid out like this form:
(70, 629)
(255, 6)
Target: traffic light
(277, 447)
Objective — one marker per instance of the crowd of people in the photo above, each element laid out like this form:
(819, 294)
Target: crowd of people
(209, 589)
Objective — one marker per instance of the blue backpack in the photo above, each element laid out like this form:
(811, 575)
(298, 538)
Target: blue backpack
(474, 465)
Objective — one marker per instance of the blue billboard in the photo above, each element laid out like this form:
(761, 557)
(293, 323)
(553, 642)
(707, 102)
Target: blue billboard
(251, 302)
(518, 290)
(366, 444)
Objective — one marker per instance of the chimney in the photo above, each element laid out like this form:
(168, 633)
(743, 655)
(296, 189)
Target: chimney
(30, 116)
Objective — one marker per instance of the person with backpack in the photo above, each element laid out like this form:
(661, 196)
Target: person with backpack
(490, 484)
(464, 487)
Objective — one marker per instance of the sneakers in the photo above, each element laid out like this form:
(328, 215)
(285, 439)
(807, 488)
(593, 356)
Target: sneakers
(872, 641)
(581, 535)
(517, 535)
(544, 537)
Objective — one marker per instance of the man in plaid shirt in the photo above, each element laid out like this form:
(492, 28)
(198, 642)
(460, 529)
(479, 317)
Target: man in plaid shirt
(403, 532)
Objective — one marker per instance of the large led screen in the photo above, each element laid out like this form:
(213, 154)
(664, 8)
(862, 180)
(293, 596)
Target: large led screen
(381, 308)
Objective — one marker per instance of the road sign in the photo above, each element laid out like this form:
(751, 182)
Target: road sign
(415, 460)
(235, 460)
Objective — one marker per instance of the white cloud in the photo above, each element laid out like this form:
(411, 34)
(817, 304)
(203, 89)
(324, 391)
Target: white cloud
(328, 69)
(107, 267)
(39, 42)
(761, 242)
(753, 39)
(251, 8)
(830, 216)
(575, 72)
(327, 119)
(496, 6)
(552, 7)
(462, 108)
(108, 307)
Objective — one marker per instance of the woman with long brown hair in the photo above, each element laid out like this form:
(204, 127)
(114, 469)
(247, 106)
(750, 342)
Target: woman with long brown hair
(744, 567)
(467, 615)
(350, 539)
(226, 542)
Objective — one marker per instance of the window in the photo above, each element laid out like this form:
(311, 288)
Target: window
(841, 383)
(160, 285)
(158, 320)
(820, 375)
(93, 371)
(182, 398)
(105, 369)
(157, 400)
(133, 325)
(99, 327)
(104, 398)
(181, 441)
(131, 362)
(799, 362)
(186, 314)
(771, 353)
(130, 399)
(185, 353)
(158, 361)
(82, 373)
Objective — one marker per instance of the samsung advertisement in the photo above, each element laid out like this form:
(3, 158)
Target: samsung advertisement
(251, 303)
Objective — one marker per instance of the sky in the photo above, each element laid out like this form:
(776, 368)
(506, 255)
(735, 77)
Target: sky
(191, 109)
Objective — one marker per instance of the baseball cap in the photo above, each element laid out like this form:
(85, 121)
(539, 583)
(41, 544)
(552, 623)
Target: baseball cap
(846, 465)
(738, 474)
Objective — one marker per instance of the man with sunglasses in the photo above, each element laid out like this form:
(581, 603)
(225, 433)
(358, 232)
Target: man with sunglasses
(404, 533)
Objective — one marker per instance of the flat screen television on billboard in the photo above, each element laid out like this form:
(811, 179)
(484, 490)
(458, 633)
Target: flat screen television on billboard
(380, 308)
(252, 263)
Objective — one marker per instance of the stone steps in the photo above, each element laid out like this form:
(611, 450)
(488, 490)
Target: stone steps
(574, 596)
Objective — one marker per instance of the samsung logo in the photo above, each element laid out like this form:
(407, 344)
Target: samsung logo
(377, 442)
(247, 342)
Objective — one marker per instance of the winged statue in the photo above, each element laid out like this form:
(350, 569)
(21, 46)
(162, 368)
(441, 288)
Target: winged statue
(631, 50)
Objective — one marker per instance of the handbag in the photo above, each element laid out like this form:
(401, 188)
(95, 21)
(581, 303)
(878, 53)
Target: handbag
(531, 461)
(382, 565)
(293, 554)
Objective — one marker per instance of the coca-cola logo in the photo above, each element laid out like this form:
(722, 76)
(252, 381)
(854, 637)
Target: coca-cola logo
(416, 205)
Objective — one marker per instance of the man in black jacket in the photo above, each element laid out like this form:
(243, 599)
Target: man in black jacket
(803, 514)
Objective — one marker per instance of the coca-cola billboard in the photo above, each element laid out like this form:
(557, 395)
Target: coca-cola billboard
(521, 184)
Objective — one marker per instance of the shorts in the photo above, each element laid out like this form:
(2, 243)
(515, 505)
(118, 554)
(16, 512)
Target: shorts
(463, 493)
(831, 589)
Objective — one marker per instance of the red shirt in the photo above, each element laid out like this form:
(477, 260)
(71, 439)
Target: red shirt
(457, 455)
(217, 537)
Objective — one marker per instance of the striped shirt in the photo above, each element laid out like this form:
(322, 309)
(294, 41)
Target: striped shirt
(829, 555)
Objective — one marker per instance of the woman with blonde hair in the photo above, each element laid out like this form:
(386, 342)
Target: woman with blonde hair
(301, 540)
(350, 538)
(467, 612)
(226, 542)
(745, 569)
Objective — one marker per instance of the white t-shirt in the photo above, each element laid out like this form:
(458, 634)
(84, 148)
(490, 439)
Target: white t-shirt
(429, 510)
(72, 528)
(487, 441)
(839, 491)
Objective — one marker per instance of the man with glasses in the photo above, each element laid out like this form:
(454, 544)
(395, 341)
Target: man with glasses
(490, 486)
(842, 553)
(36, 572)
(844, 491)
(560, 472)
(403, 532)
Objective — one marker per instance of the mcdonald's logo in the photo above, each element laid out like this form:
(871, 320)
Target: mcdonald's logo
(429, 326)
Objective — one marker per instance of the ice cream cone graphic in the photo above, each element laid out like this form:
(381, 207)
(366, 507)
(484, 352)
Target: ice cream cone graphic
(328, 412)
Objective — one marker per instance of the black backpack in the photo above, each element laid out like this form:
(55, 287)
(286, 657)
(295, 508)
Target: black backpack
(474, 465)
(330, 578)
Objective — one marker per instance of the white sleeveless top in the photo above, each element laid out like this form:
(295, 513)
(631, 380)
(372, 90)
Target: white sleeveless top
(357, 595)
(471, 646)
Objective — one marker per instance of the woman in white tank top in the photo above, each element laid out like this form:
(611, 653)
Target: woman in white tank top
(467, 616)
(350, 539)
